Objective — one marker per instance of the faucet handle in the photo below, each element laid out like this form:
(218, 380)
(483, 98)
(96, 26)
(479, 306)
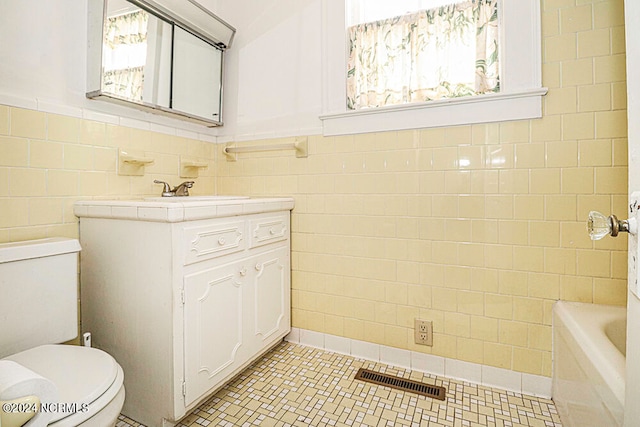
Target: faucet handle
(183, 189)
(166, 191)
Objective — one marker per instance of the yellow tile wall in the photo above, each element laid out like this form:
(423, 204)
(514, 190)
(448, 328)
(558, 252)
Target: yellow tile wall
(48, 161)
(479, 228)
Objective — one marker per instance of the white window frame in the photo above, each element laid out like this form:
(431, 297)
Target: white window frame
(520, 95)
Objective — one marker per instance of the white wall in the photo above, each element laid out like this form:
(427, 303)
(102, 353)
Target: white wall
(43, 65)
(273, 69)
(273, 81)
(43, 49)
(286, 50)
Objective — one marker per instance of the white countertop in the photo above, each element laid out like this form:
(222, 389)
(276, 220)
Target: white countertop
(178, 210)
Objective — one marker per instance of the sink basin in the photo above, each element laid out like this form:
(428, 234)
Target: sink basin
(194, 199)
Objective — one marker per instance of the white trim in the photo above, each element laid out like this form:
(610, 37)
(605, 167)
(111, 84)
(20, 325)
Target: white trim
(520, 80)
(282, 133)
(445, 112)
(144, 121)
(476, 373)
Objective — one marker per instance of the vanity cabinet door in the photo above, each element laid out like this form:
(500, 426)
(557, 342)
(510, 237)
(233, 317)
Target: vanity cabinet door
(215, 303)
(231, 314)
(272, 285)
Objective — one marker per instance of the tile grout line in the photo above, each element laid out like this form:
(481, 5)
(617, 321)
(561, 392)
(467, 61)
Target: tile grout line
(296, 385)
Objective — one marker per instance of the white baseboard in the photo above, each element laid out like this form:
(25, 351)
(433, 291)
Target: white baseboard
(485, 375)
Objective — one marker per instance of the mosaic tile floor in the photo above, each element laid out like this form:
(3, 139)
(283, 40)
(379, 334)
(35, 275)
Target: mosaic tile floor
(301, 386)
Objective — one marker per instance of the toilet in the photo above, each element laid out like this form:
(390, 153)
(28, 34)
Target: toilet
(38, 311)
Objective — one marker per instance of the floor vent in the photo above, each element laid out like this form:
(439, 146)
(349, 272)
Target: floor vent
(433, 391)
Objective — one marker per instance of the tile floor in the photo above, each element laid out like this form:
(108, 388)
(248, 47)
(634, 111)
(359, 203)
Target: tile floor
(301, 386)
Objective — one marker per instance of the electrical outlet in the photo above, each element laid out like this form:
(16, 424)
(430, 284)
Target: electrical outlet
(424, 332)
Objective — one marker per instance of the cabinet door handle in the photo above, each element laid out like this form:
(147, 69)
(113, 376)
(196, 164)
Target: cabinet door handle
(258, 267)
(243, 272)
(272, 231)
(221, 241)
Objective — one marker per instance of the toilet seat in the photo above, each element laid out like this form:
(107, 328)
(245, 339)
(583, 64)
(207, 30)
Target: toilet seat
(87, 378)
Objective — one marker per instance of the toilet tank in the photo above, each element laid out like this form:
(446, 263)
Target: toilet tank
(38, 293)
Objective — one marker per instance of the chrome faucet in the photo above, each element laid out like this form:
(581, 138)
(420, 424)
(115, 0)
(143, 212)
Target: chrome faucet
(183, 189)
(179, 191)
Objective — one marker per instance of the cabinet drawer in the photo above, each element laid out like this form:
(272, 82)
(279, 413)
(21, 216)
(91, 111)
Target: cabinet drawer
(210, 241)
(270, 229)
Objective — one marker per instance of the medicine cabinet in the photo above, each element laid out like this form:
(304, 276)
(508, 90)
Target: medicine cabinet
(162, 56)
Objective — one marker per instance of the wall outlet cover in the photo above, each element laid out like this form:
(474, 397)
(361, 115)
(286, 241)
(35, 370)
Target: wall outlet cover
(423, 332)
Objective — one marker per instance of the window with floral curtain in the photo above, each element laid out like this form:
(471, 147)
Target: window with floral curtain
(444, 52)
(125, 54)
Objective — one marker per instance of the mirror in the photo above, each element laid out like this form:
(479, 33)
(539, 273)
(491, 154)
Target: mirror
(145, 54)
(193, 60)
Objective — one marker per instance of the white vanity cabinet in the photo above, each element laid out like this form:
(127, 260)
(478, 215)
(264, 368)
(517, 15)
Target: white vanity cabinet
(231, 312)
(183, 305)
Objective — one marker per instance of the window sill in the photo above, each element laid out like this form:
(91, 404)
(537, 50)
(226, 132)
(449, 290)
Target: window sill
(447, 112)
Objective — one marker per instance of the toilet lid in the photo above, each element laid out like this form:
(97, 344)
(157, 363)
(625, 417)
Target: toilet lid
(82, 374)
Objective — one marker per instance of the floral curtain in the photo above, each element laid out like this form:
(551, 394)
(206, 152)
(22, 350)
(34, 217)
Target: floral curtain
(126, 83)
(446, 52)
(125, 54)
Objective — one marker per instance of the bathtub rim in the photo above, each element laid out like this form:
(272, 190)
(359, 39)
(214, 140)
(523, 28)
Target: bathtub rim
(610, 365)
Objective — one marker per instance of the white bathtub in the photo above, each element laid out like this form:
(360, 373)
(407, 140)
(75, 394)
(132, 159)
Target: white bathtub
(589, 347)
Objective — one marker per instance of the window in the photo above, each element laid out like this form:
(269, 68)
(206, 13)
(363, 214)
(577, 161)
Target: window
(512, 86)
(442, 52)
